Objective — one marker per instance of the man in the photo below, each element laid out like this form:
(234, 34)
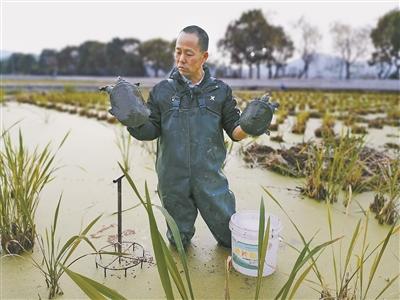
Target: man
(188, 113)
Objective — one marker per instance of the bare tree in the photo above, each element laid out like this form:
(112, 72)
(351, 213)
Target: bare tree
(351, 43)
(309, 41)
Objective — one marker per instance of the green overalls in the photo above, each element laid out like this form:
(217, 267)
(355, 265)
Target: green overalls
(191, 152)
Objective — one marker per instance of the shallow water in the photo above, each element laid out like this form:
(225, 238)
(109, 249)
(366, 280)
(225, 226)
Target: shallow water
(89, 164)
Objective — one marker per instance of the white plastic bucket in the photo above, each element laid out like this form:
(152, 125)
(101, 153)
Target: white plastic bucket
(244, 228)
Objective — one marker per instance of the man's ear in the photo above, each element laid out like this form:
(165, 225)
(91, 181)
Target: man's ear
(205, 56)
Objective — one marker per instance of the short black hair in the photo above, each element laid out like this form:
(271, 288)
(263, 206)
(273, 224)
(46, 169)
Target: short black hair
(201, 34)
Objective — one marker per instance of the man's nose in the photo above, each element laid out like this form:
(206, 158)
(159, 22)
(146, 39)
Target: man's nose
(181, 58)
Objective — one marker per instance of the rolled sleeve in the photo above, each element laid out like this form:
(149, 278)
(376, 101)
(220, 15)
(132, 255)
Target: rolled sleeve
(230, 114)
(151, 129)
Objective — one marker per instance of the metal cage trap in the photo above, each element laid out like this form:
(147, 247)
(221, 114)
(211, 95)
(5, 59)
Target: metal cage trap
(128, 254)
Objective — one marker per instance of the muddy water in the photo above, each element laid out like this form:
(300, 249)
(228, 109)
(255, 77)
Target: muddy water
(88, 163)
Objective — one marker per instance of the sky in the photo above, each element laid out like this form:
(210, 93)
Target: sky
(30, 26)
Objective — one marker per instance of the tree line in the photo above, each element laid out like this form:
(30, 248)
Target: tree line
(251, 40)
(126, 57)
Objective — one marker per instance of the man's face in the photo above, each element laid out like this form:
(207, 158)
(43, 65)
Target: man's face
(189, 58)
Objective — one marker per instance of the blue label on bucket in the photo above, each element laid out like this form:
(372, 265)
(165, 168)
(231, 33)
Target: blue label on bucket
(245, 255)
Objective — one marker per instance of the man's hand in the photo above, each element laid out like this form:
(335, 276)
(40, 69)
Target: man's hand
(238, 134)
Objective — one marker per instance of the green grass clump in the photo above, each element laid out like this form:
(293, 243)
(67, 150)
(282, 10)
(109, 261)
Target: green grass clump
(23, 175)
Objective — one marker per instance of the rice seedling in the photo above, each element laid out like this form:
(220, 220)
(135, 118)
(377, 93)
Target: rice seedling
(69, 89)
(355, 129)
(326, 129)
(228, 267)
(263, 237)
(307, 255)
(2, 95)
(166, 266)
(394, 113)
(350, 281)
(332, 166)
(343, 157)
(23, 175)
(301, 121)
(315, 185)
(281, 115)
(387, 208)
(150, 147)
(56, 258)
(93, 289)
(291, 109)
(124, 142)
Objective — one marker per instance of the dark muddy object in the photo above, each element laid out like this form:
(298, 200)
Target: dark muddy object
(288, 162)
(18, 242)
(355, 129)
(385, 211)
(273, 127)
(296, 156)
(291, 111)
(277, 138)
(392, 146)
(324, 131)
(316, 115)
(376, 123)
(299, 128)
(256, 154)
(315, 191)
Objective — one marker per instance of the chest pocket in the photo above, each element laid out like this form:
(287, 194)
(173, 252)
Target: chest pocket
(213, 101)
(213, 106)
